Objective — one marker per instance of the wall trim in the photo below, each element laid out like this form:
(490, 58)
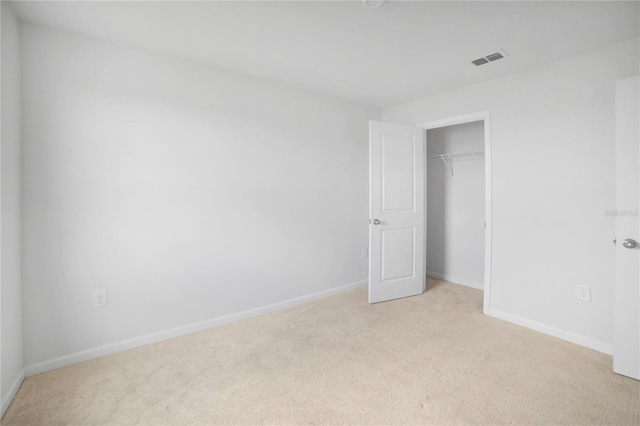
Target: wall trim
(456, 280)
(12, 392)
(86, 355)
(578, 339)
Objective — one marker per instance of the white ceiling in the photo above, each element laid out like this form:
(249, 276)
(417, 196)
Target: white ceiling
(380, 56)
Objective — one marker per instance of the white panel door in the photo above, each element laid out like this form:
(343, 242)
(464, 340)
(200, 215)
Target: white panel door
(397, 211)
(626, 338)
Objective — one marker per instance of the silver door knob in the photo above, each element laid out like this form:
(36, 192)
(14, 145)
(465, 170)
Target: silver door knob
(629, 243)
(376, 222)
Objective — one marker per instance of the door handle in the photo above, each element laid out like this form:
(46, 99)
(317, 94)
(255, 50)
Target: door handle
(629, 243)
(376, 222)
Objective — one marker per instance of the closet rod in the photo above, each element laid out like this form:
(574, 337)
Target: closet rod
(462, 155)
(477, 154)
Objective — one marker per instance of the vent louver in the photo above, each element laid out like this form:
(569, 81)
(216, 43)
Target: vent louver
(480, 61)
(494, 57)
(489, 58)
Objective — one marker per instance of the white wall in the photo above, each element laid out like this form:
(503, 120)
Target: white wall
(552, 135)
(11, 359)
(189, 194)
(455, 205)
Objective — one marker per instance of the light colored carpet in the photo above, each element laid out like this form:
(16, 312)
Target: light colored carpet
(430, 359)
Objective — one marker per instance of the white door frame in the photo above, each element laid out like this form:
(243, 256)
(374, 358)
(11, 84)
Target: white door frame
(469, 118)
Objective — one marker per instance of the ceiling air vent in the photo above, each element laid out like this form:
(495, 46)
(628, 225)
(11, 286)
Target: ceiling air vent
(479, 61)
(489, 58)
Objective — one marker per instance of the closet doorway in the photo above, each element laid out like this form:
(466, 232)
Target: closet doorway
(455, 204)
(459, 202)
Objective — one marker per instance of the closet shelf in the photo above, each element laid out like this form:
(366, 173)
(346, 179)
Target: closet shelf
(458, 156)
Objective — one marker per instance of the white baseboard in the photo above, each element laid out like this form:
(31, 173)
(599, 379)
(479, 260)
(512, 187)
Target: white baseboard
(578, 339)
(12, 393)
(456, 280)
(74, 358)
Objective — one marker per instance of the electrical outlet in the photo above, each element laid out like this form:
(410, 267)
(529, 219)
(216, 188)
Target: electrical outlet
(583, 292)
(100, 299)
(365, 253)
